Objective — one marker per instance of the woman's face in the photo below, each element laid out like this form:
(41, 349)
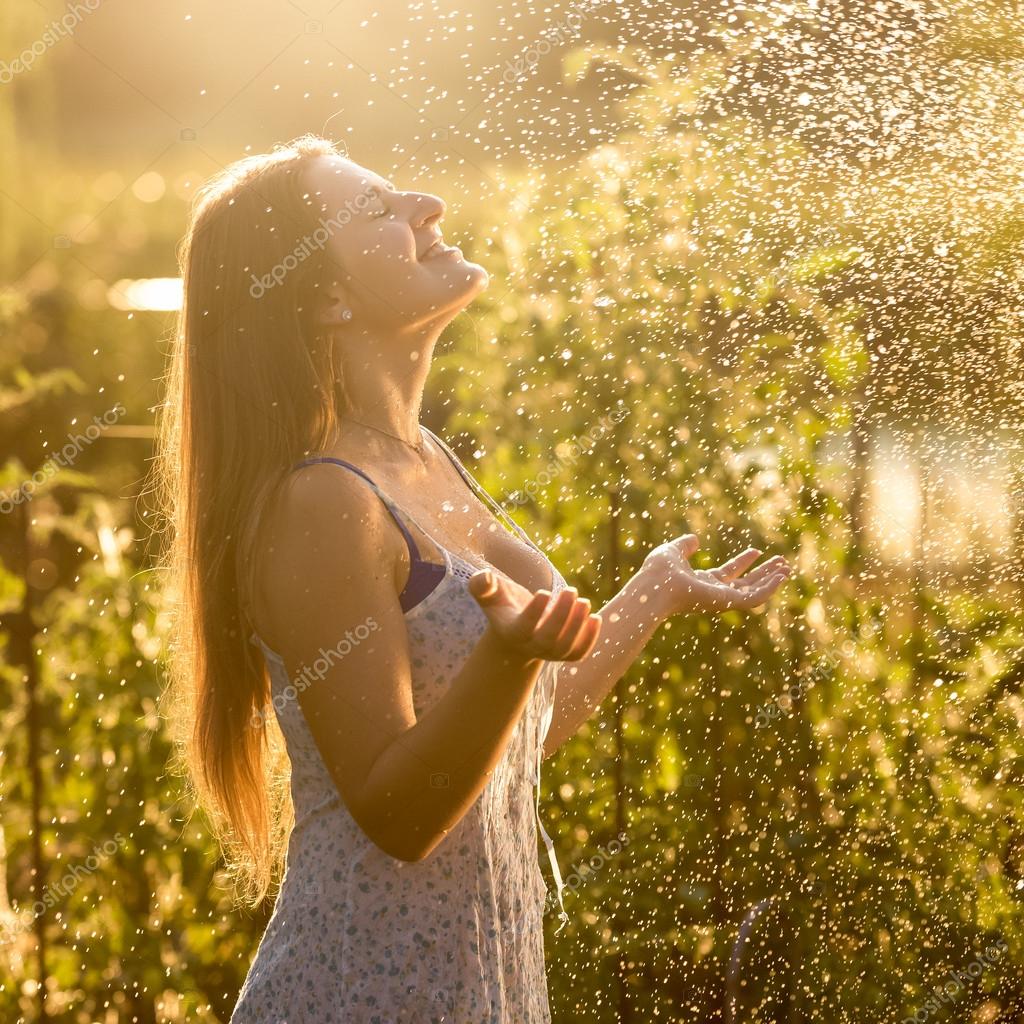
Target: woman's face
(393, 270)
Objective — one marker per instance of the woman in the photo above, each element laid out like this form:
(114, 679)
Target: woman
(406, 645)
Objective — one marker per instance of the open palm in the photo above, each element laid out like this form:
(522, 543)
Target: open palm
(536, 624)
(685, 589)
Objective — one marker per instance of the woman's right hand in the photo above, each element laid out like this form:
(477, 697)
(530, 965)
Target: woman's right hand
(536, 625)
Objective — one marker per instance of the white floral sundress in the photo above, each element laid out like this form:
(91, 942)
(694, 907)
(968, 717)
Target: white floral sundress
(358, 937)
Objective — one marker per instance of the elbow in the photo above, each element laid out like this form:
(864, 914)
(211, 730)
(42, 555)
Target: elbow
(393, 834)
(407, 847)
(413, 848)
(409, 856)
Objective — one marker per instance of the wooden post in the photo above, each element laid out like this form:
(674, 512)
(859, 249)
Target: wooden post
(615, 574)
(1015, 499)
(918, 571)
(861, 439)
(22, 633)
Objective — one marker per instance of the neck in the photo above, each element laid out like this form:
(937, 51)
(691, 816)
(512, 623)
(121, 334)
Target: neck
(385, 376)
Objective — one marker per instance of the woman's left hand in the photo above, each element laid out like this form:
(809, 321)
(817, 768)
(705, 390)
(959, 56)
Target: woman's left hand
(678, 587)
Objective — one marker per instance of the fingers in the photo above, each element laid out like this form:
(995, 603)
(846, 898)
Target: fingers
(735, 567)
(688, 544)
(568, 635)
(526, 624)
(557, 628)
(767, 569)
(579, 634)
(760, 593)
(731, 569)
(488, 588)
(484, 587)
(557, 623)
(586, 639)
(567, 629)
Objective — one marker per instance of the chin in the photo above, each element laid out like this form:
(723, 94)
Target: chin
(464, 282)
(454, 289)
(479, 277)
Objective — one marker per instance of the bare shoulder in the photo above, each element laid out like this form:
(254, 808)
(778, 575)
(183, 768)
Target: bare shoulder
(326, 495)
(325, 536)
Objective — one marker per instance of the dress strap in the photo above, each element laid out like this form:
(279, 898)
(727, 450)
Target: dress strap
(479, 491)
(545, 724)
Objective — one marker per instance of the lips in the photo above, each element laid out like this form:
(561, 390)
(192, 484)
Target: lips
(439, 250)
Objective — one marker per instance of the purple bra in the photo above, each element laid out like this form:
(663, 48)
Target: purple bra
(424, 576)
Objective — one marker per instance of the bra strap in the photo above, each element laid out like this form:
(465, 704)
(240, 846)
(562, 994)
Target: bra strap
(391, 506)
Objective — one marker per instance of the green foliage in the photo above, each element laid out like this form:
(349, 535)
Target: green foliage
(137, 924)
(870, 812)
(682, 346)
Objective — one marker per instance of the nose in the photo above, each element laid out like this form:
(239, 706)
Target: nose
(428, 210)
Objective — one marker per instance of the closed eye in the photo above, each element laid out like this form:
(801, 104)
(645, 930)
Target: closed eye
(381, 208)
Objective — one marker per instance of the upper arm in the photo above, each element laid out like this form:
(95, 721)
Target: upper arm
(328, 567)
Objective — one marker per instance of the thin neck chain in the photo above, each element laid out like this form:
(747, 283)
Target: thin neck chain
(419, 448)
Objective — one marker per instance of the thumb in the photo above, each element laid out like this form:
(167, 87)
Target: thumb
(688, 544)
(485, 587)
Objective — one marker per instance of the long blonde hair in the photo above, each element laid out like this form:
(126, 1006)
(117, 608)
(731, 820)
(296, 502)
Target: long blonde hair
(252, 386)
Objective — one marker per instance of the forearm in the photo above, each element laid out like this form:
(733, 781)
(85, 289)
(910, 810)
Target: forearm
(425, 781)
(628, 621)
